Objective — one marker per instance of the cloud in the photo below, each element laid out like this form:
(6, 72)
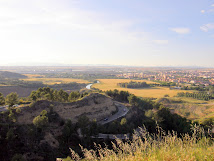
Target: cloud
(212, 5)
(207, 27)
(210, 10)
(202, 11)
(68, 29)
(181, 30)
(161, 42)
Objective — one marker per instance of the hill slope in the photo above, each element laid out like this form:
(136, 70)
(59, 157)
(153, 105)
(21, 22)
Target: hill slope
(95, 106)
(6, 74)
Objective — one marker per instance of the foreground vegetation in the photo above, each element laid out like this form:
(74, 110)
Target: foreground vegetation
(150, 147)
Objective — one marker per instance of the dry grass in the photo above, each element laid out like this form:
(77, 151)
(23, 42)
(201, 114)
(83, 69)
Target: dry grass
(3, 85)
(160, 147)
(33, 75)
(51, 81)
(156, 92)
(192, 109)
(190, 100)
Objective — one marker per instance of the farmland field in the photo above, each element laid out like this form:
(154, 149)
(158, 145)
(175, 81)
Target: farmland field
(155, 92)
(25, 91)
(51, 81)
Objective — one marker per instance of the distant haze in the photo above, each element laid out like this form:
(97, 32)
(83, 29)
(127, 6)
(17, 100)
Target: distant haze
(134, 33)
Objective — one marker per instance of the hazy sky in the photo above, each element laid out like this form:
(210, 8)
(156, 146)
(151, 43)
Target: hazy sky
(118, 32)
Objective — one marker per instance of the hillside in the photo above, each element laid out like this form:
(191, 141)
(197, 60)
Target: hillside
(6, 74)
(21, 136)
(95, 106)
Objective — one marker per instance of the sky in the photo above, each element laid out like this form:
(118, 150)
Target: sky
(113, 32)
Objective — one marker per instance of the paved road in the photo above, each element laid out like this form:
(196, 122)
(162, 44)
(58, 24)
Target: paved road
(127, 136)
(3, 108)
(122, 111)
(112, 136)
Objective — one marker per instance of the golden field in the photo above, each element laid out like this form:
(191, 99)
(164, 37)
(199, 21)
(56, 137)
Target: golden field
(51, 81)
(33, 75)
(155, 92)
(192, 109)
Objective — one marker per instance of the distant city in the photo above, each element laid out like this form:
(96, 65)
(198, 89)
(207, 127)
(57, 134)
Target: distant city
(197, 77)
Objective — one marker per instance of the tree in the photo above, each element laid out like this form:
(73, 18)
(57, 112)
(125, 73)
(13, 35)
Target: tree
(123, 121)
(17, 157)
(62, 96)
(11, 116)
(171, 122)
(83, 122)
(34, 95)
(41, 120)
(11, 99)
(68, 130)
(94, 128)
(208, 123)
(10, 135)
(73, 96)
(2, 100)
(55, 95)
(43, 113)
(133, 100)
(149, 113)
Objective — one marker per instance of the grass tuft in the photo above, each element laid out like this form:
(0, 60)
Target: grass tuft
(155, 147)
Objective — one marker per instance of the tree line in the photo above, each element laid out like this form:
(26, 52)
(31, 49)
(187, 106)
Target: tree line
(133, 84)
(125, 96)
(10, 100)
(45, 93)
(50, 94)
(200, 95)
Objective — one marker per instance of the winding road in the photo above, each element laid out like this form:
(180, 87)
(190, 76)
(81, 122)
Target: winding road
(122, 111)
